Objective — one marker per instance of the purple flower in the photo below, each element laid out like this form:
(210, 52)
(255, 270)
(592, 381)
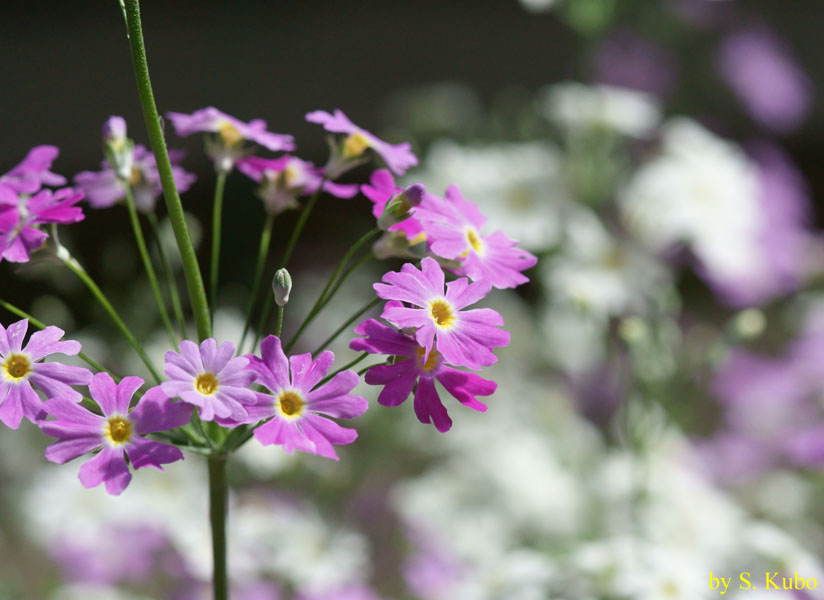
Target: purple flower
(114, 131)
(19, 232)
(453, 229)
(104, 188)
(398, 157)
(625, 59)
(209, 378)
(118, 432)
(462, 337)
(295, 407)
(21, 367)
(400, 377)
(230, 134)
(286, 178)
(760, 71)
(380, 190)
(33, 172)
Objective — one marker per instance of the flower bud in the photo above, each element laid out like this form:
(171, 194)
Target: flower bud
(397, 209)
(118, 149)
(281, 286)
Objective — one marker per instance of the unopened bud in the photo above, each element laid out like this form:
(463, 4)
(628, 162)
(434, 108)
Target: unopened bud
(281, 286)
(119, 149)
(397, 209)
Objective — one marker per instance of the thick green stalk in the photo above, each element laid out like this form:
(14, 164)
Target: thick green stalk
(218, 493)
(263, 251)
(348, 322)
(40, 325)
(107, 306)
(191, 270)
(217, 219)
(322, 299)
(147, 264)
(287, 254)
(170, 279)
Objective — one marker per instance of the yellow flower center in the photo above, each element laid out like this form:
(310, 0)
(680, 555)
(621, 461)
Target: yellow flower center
(442, 313)
(118, 430)
(206, 384)
(16, 366)
(136, 178)
(290, 403)
(474, 240)
(431, 362)
(289, 176)
(354, 145)
(229, 133)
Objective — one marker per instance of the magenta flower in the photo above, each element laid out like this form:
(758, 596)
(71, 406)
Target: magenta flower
(463, 338)
(33, 172)
(20, 367)
(380, 190)
(759, 69)
(453, 229)
(118, 432)
(209, 378)
(24, 235)
(286, 178)
(398, 157)
(295, 408)
(400, 377)
(104, 188)
(230, 134)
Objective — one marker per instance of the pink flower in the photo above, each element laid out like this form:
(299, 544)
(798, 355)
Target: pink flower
(20, 367)
(380, 190)
(453, 229)
(462, 337)
(209, 378)
(295, 407)
(20, 218)
(230, 134)
(118, 432)
(400, 377)
(33, 172)
(398, 157)
(286, 178)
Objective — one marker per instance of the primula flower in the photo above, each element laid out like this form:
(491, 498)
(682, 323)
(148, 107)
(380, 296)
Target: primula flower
(118, 432)
(400, 377)
(398, 157)
(209, 378)
(286, 178)
(380, 190)
(453, 228)
(23, 235)
(462, 337)
(20, 368)
(295, 408)
(230, 134)
(104, 188)
(33, 172)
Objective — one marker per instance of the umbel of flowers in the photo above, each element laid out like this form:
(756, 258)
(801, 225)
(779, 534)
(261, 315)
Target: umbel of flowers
(213, 395)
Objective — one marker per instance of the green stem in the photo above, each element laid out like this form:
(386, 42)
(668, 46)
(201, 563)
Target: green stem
(348, 322)
(287, 254)
(147, 264)
(322, 299)
(348, 365)
(263, 251)
(280, 320)
(217, 218)
(40, 325)
(191, 270)
(75, 267)
(218, 493)
(169, 273)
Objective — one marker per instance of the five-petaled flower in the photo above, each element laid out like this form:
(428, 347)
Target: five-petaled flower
(209, 378)
(463, 337)
(293, 405)
(409, 367)
(20, 367)
(118, 432)
(398, 157)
